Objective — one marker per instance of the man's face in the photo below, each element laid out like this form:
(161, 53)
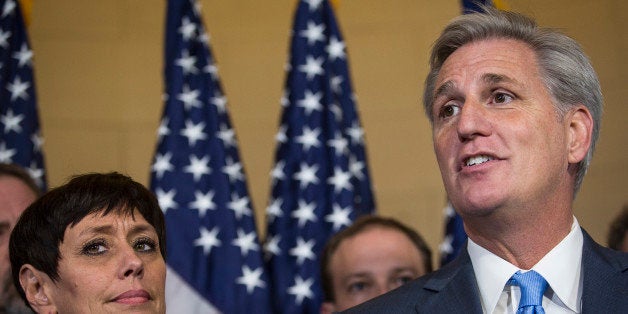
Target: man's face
(370, 263)
(15, 196)
(498, 139)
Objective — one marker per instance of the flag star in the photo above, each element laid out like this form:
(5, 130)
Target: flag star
(356, 133)
(307, 175)
(4, 36)
(166, 199)
(227, 135)
(162, 164)
(194, 132)
(23, 56)
(246, 242)
(203, 202)
(314, 4)
(187, 29)
(274, 210)
(449, 211)
(337, 111)
(198, 167)
(335, 83)
(6, 155)
(208, 239)
(277, 173)
(203, 37)
(163, 129)
(284, 101)
(312, 67)
(356, 167)
(301, 289)
(271, 247)
(9, 8)
(190, 97)
(281, 134)
(251, 278)
(18, 88)
(233, 170)
(336, 49)
(239, 205)
(446, 247)
(305, 213)
(339, 217)
(309, 138)
(212, 69)
(340, 180)
(36, 173)
(38, 141)
(187, 63)
(339, 144)
(313, 33)
(303, 250)
(220, 101)
(12, 122)
(311, 102)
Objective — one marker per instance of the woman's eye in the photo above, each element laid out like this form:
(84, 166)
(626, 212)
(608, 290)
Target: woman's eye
(144, 245)
(95, 248)
(501, 98)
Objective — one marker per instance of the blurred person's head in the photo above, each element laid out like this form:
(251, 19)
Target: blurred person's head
(369, 258)
(93, 245)
(17, 191)
(618, 232)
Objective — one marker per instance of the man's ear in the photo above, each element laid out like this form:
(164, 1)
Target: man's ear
(327, 308)
(36, 286)
(580, 133)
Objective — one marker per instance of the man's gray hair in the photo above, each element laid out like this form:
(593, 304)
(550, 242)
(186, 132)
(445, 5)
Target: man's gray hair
(565, 68)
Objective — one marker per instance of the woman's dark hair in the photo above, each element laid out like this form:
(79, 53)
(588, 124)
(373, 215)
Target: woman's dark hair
(36, 237)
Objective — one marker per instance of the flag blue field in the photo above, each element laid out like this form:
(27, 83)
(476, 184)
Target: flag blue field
(20, 135)
(214, 256)
(320, 180)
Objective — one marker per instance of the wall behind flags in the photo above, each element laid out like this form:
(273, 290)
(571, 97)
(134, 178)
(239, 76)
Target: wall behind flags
(98, 66)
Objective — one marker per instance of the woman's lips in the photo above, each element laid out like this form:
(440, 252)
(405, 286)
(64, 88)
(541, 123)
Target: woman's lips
(133, 297)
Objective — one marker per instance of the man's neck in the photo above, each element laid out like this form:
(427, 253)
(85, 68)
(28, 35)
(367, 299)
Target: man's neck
(520, 241)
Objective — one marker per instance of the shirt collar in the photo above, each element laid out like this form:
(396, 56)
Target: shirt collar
(561, 267)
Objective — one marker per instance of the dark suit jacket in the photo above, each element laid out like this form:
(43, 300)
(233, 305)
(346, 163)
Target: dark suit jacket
(453, 288)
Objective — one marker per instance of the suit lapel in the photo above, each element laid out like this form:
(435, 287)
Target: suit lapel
(602, 278)
(454, 290)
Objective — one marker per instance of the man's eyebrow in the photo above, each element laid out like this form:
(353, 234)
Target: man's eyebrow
(445, 88)
(492, 78)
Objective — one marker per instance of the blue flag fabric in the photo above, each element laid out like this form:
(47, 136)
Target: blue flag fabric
(215, 261)
(455, 236)
(320, 181)
(20, 136)
(470, 6)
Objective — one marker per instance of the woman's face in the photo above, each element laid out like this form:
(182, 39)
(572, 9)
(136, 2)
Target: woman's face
(110, 264)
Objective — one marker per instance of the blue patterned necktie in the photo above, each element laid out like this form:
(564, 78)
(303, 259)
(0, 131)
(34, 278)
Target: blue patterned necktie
(532, 286)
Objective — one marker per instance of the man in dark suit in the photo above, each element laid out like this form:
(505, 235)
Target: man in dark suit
(515, 112)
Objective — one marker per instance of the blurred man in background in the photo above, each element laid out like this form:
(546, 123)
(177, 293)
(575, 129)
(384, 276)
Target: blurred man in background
(17, 191)
(369, 258)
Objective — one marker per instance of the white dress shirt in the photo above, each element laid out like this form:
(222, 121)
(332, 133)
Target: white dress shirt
(561, 267)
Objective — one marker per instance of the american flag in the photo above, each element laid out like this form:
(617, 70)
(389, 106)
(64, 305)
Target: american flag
(214, 258)
(320, 181)
(455, 236)
(20, 136)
